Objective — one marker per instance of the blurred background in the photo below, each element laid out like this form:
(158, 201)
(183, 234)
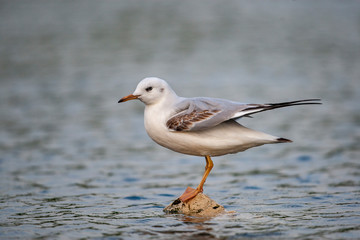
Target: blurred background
(75, 164)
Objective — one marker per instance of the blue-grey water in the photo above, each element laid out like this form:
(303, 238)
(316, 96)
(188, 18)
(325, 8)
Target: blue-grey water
(75, 164)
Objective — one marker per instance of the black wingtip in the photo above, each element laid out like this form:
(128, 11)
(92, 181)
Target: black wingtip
(283, 140)
(297, 102)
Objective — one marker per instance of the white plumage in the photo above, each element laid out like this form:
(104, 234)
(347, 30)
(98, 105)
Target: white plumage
(200, 126)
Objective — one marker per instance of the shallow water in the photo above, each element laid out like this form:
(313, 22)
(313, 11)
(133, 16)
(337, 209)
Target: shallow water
(74, 164)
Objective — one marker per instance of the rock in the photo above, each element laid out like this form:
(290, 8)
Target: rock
(200, 206)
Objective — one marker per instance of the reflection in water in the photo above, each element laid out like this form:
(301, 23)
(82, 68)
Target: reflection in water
(74, 164)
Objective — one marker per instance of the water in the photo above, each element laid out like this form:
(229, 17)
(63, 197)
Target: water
(74, 164)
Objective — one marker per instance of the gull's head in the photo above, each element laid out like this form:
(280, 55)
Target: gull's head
(150, 91)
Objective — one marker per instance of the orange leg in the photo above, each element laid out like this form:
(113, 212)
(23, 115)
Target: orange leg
(190, 192)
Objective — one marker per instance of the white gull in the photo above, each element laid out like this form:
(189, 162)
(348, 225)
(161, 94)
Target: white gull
(201, 126)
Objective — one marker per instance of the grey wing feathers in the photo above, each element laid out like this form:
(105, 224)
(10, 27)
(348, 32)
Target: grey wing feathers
(196, 114)
(200, 113)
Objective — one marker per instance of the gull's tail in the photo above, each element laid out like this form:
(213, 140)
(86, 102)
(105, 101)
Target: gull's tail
(256, 108)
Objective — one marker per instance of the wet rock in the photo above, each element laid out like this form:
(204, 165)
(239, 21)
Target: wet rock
(201, 206)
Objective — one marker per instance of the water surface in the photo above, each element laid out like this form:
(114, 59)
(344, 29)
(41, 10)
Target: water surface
(74, 164)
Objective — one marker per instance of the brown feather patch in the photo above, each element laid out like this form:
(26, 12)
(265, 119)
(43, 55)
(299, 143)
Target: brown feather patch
(185, 121)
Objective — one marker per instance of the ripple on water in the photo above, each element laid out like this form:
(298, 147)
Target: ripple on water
(135, 198)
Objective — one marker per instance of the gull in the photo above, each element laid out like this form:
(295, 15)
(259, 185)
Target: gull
(201, 126)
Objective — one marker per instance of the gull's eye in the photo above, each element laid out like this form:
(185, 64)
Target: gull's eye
(148, 89)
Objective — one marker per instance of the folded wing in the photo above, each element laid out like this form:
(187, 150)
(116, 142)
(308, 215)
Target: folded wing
(195, 114)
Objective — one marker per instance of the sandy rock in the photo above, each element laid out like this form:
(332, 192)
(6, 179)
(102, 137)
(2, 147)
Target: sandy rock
(201, 206)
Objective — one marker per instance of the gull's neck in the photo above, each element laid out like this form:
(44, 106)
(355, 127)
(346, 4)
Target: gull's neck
(157, 114)
(169, 98)
(164, 107)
